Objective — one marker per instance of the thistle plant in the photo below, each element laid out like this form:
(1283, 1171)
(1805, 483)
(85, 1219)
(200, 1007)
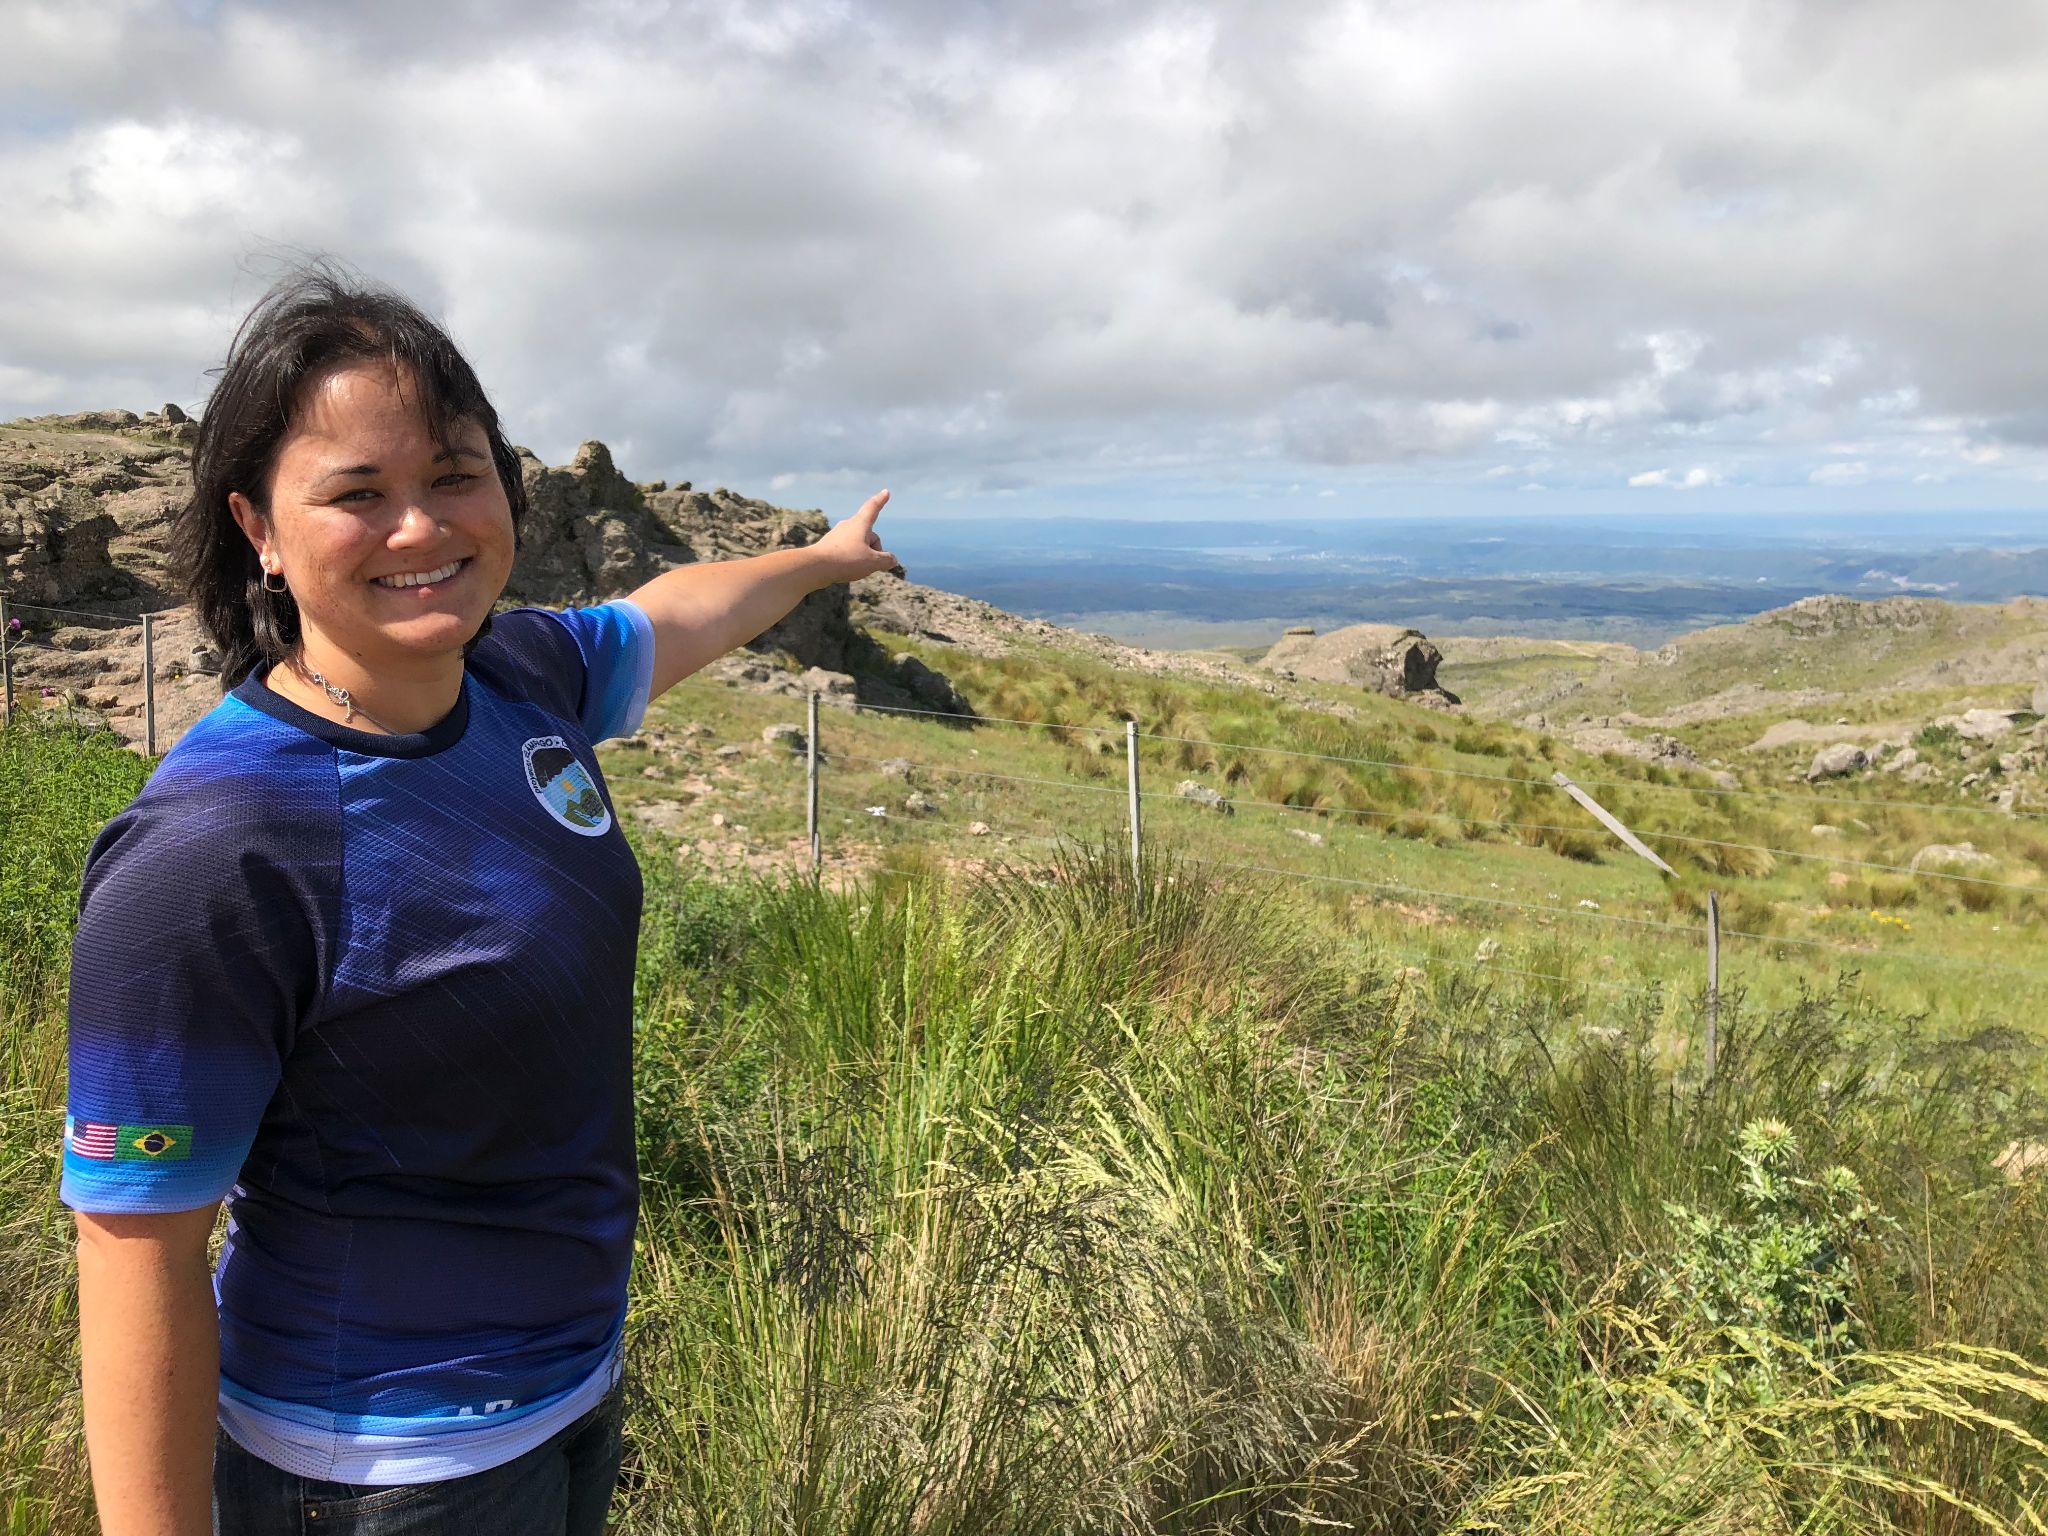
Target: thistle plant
(1769, 1282)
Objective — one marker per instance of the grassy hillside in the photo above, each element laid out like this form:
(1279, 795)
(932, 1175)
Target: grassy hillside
(1443, 835)
(1895, 659)
(1049, 1198)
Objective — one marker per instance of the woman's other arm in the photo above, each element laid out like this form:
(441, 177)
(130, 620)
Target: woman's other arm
(699, 612)
(149, 1342)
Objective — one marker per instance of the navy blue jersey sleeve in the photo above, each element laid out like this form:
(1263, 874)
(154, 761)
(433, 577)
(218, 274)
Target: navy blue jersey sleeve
(200, 950)
(593, 665)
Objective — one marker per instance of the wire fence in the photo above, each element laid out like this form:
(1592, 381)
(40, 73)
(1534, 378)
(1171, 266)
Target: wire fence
(14, 636)
(1320, 808)
(1340, 812)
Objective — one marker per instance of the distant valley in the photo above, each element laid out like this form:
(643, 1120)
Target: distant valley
(1212, 583)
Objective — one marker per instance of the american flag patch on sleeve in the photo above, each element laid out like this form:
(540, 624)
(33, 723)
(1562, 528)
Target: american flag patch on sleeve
(89, 1138)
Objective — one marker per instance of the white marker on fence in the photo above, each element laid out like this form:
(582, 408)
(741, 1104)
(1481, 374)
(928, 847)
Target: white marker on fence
(1608, 820)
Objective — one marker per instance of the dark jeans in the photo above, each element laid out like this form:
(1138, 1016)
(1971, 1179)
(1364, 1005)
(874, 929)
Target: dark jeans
(559, 1488)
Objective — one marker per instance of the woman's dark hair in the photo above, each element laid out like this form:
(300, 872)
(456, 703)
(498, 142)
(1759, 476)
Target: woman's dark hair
(316, 319)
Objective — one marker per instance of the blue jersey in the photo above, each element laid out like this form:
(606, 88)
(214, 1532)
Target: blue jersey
(376, 991)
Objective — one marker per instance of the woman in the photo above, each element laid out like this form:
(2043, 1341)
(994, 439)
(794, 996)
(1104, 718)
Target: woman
(359, 961)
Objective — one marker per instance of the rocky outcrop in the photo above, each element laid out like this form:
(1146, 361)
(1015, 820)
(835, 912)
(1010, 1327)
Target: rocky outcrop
(1381, 658)
(87, 500)
(1815, 616)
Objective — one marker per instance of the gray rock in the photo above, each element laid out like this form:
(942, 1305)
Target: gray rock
(786, 735)
(730, 750)
(1383, 658)
(1980, 724)
(1902, 761)
(1950, 856)
(931, 690)
(1822, 829)
(1837, 761)
(918, 803)
(828, 684)
(895, 767)
(1202, 794)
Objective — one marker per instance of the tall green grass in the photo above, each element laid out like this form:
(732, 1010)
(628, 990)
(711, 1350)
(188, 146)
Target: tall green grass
(1073, 1198)
(58, 787)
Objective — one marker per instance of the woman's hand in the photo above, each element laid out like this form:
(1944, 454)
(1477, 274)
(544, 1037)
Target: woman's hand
(702, 610)
(852, 549)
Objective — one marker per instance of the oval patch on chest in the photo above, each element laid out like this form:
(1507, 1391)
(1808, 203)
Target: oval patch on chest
(564, 786)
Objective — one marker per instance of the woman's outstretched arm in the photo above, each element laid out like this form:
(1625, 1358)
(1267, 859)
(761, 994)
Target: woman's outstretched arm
(700, 612)
(149, 1342)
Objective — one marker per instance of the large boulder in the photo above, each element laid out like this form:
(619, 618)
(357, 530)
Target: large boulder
(1836, 762)
(1382, 658)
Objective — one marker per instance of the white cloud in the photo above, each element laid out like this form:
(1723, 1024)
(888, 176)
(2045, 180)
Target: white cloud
(1021, 243)
(1841, 472)
(1696, 478)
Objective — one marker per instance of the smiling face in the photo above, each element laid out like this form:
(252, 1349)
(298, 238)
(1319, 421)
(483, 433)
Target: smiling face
(363, 504)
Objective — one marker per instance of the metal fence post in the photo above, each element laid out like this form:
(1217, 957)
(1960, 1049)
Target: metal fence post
(149, 685)
(811, 808)
(1137, 867)
(6, 661)
(1713, 980)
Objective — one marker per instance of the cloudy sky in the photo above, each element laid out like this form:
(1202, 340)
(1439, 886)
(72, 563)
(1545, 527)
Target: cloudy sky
(1067, 256)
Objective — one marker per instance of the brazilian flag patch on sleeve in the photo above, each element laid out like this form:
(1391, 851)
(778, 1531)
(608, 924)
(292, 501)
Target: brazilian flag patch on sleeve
(152, 1143)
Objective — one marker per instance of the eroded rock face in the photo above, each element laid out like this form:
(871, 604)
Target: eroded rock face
(87, 502)
(1383, 658)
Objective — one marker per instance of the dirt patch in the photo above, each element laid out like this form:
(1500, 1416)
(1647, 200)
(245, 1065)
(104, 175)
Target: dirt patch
(1801, 733)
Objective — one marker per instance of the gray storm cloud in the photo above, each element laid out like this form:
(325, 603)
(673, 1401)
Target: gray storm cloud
(1673, 246)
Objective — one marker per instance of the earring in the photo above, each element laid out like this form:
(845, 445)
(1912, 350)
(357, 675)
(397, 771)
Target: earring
(282, 584)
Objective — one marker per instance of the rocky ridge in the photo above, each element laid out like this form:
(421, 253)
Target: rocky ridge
(86, 503)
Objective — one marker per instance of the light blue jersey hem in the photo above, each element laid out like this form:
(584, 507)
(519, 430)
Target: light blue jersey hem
(346, 1456)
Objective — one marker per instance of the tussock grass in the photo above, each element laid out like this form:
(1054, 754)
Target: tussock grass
(1070, 1197)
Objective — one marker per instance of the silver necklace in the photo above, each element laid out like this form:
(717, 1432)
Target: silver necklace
(341, 697)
